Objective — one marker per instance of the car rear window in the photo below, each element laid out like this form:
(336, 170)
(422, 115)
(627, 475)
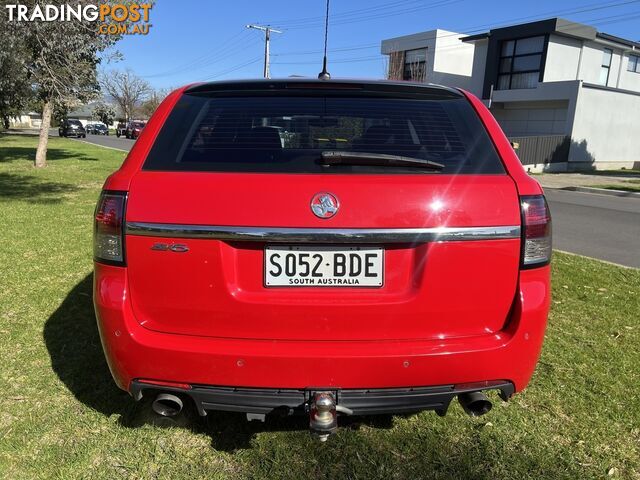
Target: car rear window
(289, 134)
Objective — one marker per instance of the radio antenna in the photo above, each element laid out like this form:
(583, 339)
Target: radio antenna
(324, 75)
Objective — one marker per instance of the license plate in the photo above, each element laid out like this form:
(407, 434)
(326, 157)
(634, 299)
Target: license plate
(295, 266)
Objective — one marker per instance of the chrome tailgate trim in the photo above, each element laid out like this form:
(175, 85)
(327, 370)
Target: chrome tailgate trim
(323, 235)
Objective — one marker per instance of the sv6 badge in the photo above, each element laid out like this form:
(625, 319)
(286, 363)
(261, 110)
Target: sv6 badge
(173, 247)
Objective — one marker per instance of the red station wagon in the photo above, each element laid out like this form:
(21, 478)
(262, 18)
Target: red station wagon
(321, 247)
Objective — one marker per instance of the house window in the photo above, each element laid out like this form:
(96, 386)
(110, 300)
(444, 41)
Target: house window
(607, 53)
(634, 64)
(415, 65)
(520, 63)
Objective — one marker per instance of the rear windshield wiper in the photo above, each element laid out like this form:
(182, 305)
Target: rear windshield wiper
(339, 157)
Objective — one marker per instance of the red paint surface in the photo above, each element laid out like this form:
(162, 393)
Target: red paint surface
(450, 312)
(134, 351)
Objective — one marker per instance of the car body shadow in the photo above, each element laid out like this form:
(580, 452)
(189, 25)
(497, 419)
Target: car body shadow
(73, 342)
(72, 339)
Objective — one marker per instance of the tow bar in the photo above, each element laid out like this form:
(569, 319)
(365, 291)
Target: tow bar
(323, 414)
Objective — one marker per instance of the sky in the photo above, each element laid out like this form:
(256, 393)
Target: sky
(201, 40)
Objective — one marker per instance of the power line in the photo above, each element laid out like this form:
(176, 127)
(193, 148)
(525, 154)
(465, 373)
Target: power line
(591, 7)
(611, 19)
(333, 50)
(482, 27)
(232, 44)
(320, 18)
(360, 15)
(340, 60)
(232, 69)
(232, 52)
(239, 42)
(595, 21)
(367, 18)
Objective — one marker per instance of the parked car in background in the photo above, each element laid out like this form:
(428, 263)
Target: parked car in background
(97, 129)
(389, 256)
(71, 127)
(121, 129)
(134, 129)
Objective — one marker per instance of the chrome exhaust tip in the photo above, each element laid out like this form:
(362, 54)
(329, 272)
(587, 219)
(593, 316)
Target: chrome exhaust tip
(475, 403)
(167, 405)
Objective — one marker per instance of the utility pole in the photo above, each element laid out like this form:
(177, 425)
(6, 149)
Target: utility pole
(267, 37)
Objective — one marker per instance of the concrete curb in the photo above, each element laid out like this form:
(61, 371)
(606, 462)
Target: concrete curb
(602, 191)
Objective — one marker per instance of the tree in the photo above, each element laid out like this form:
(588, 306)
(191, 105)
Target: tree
(396, 66)
(152, 102)
(61, 110)
(126, 89)
(105, 113)
(15, 87)
(60, 59)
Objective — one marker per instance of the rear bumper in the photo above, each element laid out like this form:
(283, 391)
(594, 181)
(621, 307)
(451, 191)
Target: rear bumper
(263, 401)
(135, 352)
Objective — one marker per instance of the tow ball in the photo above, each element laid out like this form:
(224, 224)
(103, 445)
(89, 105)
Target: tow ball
(323, 414)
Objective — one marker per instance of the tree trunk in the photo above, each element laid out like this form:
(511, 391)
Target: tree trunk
(41, 152)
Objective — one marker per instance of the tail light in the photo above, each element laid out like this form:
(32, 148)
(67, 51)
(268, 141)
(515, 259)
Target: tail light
(108, 232)
(536, 249)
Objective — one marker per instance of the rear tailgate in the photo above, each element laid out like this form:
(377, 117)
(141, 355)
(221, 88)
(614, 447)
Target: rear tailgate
(234, 161)
(216, 288)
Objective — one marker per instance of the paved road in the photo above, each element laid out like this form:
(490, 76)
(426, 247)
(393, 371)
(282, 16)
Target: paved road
(598, 226)
(105, 140)
(110, 141)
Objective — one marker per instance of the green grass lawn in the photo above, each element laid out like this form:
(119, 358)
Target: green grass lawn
(627, 186)
(619, 172)
(62, 417)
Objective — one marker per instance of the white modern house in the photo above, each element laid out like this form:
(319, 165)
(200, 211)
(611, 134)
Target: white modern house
(566, 93)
